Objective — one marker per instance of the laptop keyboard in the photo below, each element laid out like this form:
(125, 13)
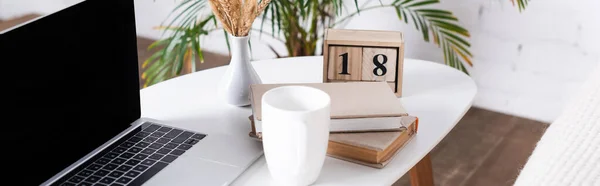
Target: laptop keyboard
(138, 158)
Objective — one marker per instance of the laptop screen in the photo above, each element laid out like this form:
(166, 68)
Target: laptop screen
(69, 84)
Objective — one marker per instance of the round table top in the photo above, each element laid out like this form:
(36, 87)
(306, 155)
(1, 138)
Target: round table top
(437, 94)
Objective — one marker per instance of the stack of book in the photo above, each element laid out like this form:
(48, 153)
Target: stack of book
(368, 123)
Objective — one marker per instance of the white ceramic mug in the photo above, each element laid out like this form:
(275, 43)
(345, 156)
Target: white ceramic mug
(295, 123)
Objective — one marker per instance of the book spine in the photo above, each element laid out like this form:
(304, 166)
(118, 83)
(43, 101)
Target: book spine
(369, 156)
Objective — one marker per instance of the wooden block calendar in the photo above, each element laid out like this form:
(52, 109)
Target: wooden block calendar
(364, 55)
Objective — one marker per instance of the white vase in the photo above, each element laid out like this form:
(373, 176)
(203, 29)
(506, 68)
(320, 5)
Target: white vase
(235, 84)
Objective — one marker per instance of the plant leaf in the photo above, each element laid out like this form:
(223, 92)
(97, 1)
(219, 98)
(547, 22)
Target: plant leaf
(452, 27)
(406, 18)
(356, 5)
(435, 11)
(227, 41)
(441, 16)
(405, 2)
(423, 3)
(412, 15)
(455, 37)
(398, 13)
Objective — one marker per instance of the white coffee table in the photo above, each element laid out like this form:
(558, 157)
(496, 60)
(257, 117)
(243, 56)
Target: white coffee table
(437, 94)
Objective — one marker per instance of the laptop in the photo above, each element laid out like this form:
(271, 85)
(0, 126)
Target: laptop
(71, 109)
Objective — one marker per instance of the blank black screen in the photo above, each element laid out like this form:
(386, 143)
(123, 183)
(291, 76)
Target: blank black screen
(69, 84)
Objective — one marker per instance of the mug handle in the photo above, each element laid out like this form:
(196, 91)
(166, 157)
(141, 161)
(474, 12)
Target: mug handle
(301, 144)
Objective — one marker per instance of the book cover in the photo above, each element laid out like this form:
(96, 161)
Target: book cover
(355, 106)
(373, 149)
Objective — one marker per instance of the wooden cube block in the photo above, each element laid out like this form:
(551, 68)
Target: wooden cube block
(345, 63)
(393, 85)
(364, 55)
(379, 64)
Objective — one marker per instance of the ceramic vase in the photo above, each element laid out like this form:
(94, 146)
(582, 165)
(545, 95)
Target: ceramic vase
(235, 84)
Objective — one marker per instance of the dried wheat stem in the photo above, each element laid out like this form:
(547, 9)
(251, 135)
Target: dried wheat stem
(229, 10)
(261, 7)
(249, 15)
(237, 16)
(218, 11)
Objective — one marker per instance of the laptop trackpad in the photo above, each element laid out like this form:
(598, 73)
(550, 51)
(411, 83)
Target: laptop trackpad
(190, 171)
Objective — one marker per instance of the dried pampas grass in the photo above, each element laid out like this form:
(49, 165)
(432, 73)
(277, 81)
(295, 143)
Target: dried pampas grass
(237, 16)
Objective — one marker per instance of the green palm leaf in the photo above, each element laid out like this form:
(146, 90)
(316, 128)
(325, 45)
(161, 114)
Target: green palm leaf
(444, 27)
(521, 4)
(181, 46)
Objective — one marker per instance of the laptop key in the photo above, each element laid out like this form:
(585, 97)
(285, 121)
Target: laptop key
(110, 166)
(101, 173)
(84, 184)
(142, 134)
(142, 144)
(191, 141)
(178, 140)
(151, 128)
(119, 150)
(135, 150)
(155, 145)
(94, 167)
(149, 139)
(140, 168)
(127, 144)
(67, 184)
(124, 168)
(140, 156)
(148, 162)
(127, 155)
(99, 184)
(132, 174)
(76, 179)
(116, 184)
(177, 152)
(123, 180)
(169, 158)
(164, 129)
(116, 174)
(156, 156)
(148, 151)
(107, 180)
(119, 161)
(157, 134)
(164, 151)
(182, 137)
(132, 162)
(135, 139)
(148, 174)
(92, 179)
(199, 136)
(170, 145)
(102, 161)
(185, 135)
(173, 133)
(85, 173)
(163, 140)
(184, 147)
(111, 155)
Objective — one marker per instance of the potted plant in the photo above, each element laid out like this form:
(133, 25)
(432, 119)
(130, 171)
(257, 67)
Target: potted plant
(299, 24)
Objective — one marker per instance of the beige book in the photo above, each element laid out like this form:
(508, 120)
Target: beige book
(374, 149)
(355, 106)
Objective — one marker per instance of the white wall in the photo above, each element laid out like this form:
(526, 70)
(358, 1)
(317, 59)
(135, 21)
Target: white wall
(529, 64)
(526, 64)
